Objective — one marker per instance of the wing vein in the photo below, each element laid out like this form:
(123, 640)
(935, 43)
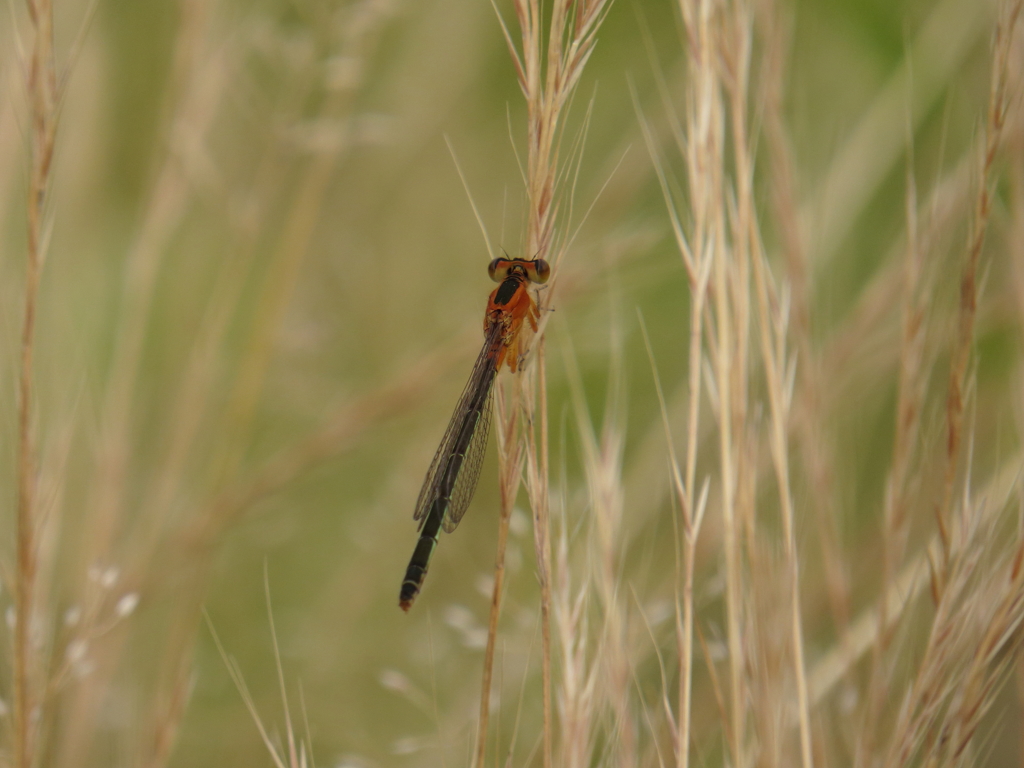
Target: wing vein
(455, 469)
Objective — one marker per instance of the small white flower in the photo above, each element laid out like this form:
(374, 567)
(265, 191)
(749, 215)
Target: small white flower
(485, 585)
(519, 522)
(658, 611)
(475, 639)
(109, 577)
(394, 680)
(718, 651)
(75, 651)
(127, 604)
(406, 746)
(73, 615)
(459, 617)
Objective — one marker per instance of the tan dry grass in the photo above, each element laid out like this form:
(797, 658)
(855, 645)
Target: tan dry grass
(43, 95)
(819, 660)
(555, 47)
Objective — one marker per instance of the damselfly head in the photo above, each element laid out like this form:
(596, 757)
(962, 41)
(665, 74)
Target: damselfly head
(535, 270)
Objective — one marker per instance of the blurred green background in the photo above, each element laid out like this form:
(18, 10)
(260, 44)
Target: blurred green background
(284, 166)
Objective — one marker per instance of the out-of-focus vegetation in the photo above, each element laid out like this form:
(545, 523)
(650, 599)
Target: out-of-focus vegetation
(262, 293)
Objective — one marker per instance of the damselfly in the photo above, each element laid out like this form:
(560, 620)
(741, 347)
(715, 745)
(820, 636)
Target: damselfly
(455, 469)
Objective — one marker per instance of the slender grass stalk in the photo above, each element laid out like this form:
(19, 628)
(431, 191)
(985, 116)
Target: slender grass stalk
(602, 463)
(509, 469)
(968, 307)
(808, 403)
(974, 634)
(537, 488)
(294, 755)
(772, 323)
(773, 330)
(197, 82)
(896, 501)
(43, 96)
(171, 193)
(705, 161)
(549, 68)
(698, 271)
(544, 560)
(693, 511)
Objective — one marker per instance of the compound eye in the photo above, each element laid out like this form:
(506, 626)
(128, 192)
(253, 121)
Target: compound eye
(498, 270)
(541, 271)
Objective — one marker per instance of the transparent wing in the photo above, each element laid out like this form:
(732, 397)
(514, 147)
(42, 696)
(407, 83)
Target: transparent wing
(473, 461)
(453, 474)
